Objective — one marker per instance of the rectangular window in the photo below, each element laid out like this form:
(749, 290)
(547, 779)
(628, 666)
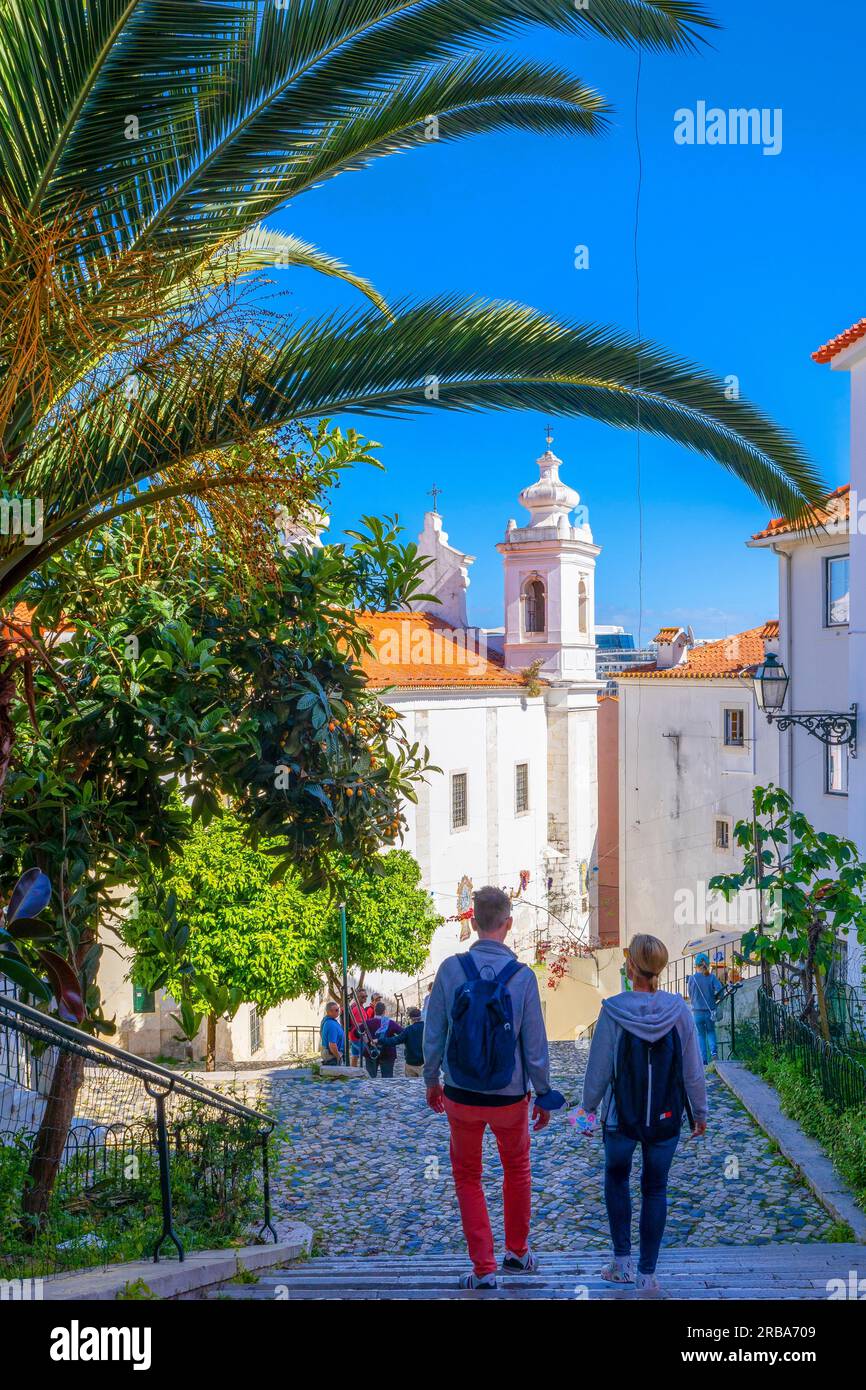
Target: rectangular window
(459, 801)
(521, 789)
(836, 591)
(735, 728)
(255, 1030)
(836, 771)
(723, 833)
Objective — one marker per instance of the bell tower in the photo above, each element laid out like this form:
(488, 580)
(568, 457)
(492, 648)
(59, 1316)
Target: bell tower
(549, 565)
(549, 568)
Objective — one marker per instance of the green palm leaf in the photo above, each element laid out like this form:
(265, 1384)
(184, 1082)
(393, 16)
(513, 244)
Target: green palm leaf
(448, 353)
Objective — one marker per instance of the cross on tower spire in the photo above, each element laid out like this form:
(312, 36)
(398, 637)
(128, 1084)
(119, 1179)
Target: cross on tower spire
(549, 434)
(434, 493)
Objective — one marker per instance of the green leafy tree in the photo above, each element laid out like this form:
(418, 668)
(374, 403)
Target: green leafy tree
(189, 679)
(814, 887)
(216, 930)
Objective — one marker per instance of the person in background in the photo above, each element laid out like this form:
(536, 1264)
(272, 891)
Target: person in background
(358, 1017)
(704, 991)
(331, 1036)
(384, 1030)
(644, 1061)
(412, 1038)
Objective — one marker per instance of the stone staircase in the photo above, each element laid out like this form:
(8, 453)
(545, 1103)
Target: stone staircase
(763, 1272)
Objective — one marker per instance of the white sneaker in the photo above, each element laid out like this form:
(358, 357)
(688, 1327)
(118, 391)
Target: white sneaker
(647, 1283)
(477, 1281)
(619, 1270)
(520, 1264)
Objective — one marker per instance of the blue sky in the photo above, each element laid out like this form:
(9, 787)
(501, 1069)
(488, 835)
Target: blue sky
(747, 263)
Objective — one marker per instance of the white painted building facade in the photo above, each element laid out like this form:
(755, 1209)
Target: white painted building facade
(822, 596)
(692, 746)
(509, 718)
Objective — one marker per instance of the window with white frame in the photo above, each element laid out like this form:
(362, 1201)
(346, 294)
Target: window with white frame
(459, 800)
(521, 788)
(735, 727)
(836, 770)
(836, 588)
(722, 833)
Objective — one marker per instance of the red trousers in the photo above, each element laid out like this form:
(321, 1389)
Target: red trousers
(510, 1125)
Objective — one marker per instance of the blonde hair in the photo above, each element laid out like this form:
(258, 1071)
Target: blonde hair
(649, 956)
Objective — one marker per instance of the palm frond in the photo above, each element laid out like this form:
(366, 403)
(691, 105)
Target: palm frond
(261, 249)
(448, 353)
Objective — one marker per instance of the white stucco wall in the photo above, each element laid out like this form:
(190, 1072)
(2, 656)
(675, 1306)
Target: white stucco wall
(676, 777)
(484, 734)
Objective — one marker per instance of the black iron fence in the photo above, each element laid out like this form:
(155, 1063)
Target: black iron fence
(842, 1079)
(105, 1156)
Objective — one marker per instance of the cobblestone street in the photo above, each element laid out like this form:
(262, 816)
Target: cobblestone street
(366, 1165)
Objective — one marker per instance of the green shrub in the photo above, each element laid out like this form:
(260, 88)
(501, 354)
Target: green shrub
(840, 1132)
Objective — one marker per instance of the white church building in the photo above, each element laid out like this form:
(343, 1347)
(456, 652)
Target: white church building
(509, 716)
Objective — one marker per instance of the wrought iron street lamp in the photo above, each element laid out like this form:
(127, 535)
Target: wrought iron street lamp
(771, 687)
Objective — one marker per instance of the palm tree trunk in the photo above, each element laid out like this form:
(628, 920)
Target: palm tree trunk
(50, 1142)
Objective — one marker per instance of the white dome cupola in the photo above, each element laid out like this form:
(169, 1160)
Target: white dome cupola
(549, 500)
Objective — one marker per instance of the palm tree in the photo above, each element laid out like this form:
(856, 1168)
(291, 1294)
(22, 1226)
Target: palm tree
(138, 164)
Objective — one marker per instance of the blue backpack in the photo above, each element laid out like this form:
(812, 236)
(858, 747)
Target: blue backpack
(482, 1042)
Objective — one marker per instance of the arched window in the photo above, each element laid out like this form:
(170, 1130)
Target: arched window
(582, 608)
(534, 618)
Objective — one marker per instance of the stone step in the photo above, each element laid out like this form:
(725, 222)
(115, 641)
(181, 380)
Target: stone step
(721, 1272)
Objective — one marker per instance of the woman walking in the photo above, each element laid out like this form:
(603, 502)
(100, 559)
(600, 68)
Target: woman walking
(644, 1070)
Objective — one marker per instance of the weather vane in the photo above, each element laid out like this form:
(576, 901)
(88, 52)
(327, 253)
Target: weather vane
(434, 493)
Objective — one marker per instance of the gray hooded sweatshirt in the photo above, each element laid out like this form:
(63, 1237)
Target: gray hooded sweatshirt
(648, 1016)
(531, 1062)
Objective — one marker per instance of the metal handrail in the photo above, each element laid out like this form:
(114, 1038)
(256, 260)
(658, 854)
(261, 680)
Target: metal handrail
(45, 1028)
(158, 1083)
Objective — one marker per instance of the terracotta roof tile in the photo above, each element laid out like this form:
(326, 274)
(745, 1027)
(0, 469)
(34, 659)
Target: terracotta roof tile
(731, 656)
(20, 616)
(835, 508)
(419, 651)
(827, 351)
(666, 634)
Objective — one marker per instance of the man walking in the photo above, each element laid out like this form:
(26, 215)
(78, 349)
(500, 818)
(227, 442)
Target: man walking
(484, 1028)
(704, 992)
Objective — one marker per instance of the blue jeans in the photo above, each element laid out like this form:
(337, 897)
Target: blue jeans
(657, 1159)
(705, 1023)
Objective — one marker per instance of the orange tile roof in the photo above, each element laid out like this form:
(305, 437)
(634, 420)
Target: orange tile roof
(419, 651)
(730, 656)
(835, 508)
(770, 630)
(20, 616)
(827, 351)
(666, 634)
